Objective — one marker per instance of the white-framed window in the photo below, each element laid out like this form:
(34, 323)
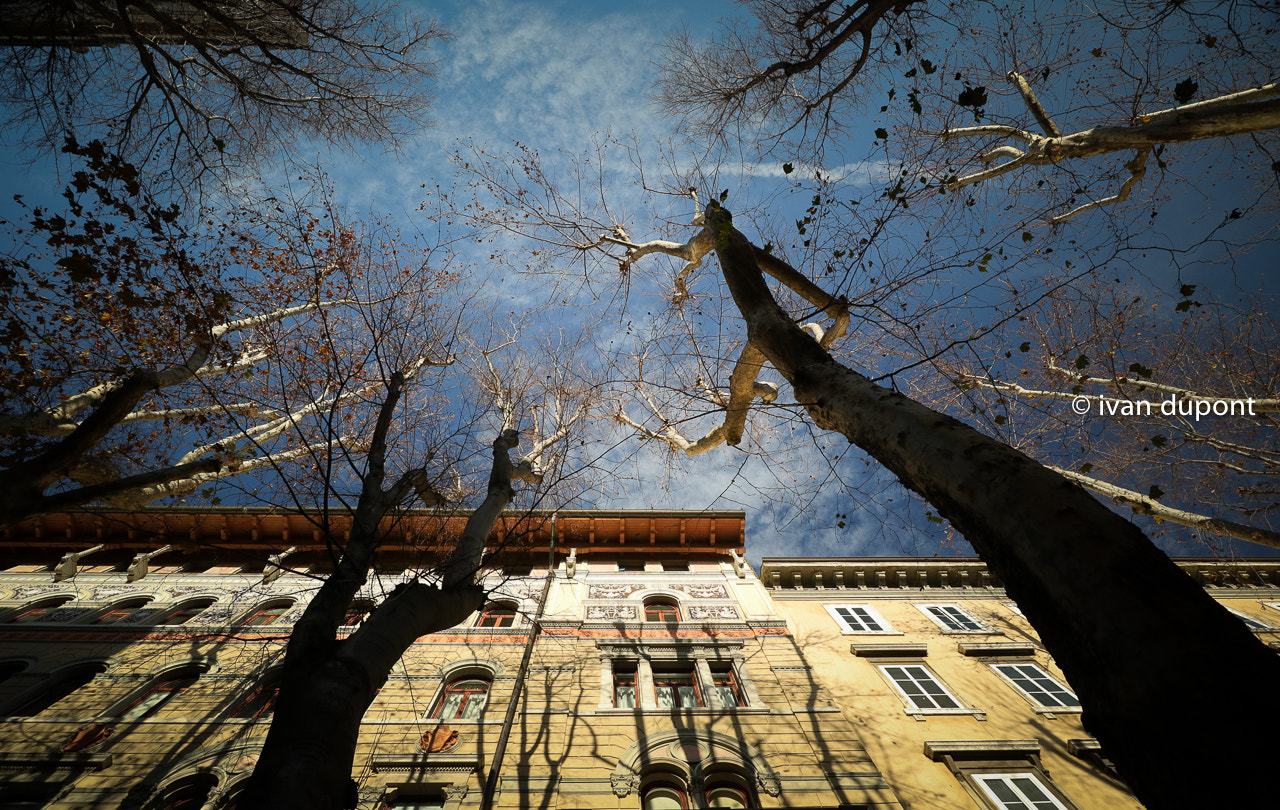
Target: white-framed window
(954, 619)
(1017, 791)
(1252, 622)
(1038, 686)
(922, 690)
(859, 619)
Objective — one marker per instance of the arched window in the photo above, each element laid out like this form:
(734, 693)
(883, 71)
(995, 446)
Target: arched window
(187, 611)
(497, 614)
(38, 611)
(663, 796)
(58, 687)
(670, 792)
(661, 610)
(10, 668)
(158, 695)
(190, 793)
(727, 796)
(121, 610)
(356, 612)
(269, 613)
(261, 701)
(462, 699)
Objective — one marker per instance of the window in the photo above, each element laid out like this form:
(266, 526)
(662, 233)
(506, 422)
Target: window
(356, 612)
(729, 797)
(664, 797)
(158, 695)
(497, 615)
(261, 702)
(187, 611)
(189, 794)
(39, 611)
(669, 791)
(10, 668)
(1251, 622)
(727, 688)
(630, 565)
(661, 610)
(921, 689)
(859, 619)
(1038, 686)
(1014, 609)
(415, 803)
(1000, 774)
(954, 619)
(676, 689)
(462, 699)
(666, 679)
(266, 614)
(1017, 791)
(58, 687)
(121, 611)
(28, 796)
(624, 689)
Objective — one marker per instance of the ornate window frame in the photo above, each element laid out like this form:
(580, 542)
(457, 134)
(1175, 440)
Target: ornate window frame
(696, 759)
(699, 657)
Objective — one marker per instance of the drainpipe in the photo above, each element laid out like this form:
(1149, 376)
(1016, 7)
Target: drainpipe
(499, 751)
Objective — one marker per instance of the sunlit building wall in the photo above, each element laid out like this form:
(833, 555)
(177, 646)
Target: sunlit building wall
(649, 667)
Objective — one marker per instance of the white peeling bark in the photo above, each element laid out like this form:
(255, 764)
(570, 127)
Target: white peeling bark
(1249, 111)
(1260, 405)
(1153, 508)
(1132, 633)
(197, 365)
(222, 466)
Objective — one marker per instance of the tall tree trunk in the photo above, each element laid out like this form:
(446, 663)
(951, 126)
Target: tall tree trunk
(327, 683)
(1176, 689)
(310, 749)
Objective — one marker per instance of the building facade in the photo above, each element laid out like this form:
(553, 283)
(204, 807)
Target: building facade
(625, 660)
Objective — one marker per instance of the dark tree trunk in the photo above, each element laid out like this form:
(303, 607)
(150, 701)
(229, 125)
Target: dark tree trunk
(310, 750)
(1176, 689)
(327, 683)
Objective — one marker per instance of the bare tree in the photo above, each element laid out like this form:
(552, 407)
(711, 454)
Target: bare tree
(328, 682)
(1093, 585)
(1174, 418)
(184, 88)
(1246, 112)
(793, 75)
(142, 361)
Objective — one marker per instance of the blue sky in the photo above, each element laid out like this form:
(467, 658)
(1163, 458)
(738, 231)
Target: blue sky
(557, 76)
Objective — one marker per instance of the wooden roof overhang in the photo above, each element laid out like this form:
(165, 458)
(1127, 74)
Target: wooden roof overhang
(627, 532)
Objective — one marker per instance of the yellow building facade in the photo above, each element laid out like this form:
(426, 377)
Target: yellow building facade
(647, 667)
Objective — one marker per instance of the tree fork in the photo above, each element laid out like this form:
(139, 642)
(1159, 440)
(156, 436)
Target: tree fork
(1157, 664)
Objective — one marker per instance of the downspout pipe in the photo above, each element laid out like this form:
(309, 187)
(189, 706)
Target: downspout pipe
(500, 749)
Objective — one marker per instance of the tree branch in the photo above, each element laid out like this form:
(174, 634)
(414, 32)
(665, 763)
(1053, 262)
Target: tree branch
(1148, 506)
